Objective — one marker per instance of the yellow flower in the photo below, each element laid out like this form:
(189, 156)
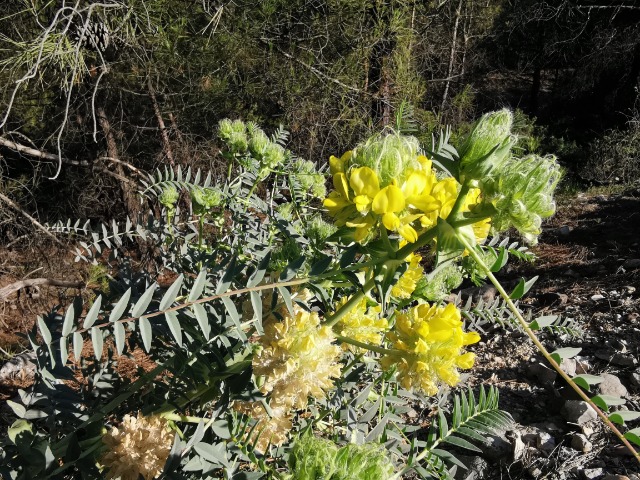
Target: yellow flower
(298, 359)
(361, 324)
(428, 346)
(140, 446)
(273, 428)
(407, 282)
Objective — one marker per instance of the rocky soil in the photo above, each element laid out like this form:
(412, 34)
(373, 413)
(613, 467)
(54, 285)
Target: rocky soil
(589, 274)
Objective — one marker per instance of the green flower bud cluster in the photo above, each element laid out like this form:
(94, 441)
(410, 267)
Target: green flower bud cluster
(391, 156)
(310, 181)
(487, 147)
(234, 134)
(318, 230)
(522, 194)
(169, 197)
(438, 287)
(204, 199)
(314, 458)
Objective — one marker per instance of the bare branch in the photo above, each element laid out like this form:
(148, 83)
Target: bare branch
(14, 287)
(39, 154)
(37, 224)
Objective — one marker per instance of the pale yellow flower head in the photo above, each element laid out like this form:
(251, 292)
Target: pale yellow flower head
(362, 324)
(272, 427)
(140, 446)
(298, 359)
(427, 344)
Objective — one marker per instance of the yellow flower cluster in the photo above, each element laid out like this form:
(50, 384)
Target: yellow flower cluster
(360, 200)
(409, 279)
(361, 324)
(140, 446)
(298, 359)
(428, 346)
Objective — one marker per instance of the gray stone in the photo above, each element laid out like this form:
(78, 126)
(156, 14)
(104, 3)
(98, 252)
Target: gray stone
(477, 468)
(569, 366)
(613, 476)
(611, 385)
(542, 373)
(564, 230)
(592, 473)
(496, 447)
(635, 379)
(597, 297)
(578, 411)
(632, 263)
(624, 359)
(581, 443)
(19, 366)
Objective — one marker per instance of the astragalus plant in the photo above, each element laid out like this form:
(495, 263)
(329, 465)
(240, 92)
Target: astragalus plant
(289, 329)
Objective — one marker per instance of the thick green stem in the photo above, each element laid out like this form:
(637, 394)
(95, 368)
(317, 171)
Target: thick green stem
(331, 320)
(530, 333)
(366, 346)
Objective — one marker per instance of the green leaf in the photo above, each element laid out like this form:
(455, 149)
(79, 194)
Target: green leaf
(462, 443)
(622, 416)
(564, 353)
(203, 319)
(98, 342)
(291, 269)
(120, 307)
(174, 325)
(67, 325)
(501, 261)
(92, 315)
(171, 293)
(349, 256)
(198, 285)
(633, 436)
(256, 277)
(64, 350)
(320, 266)
(17, 408)
(145, 333)
(256, 302)
(227, 278)
(585, 381)
(18, 427)
(44, 331)
(606, 401)
(235, 317)
(143, 302)
(286, 296)
(215, 454)
(119, 334)
(542, 322)
(78, 343)
(522, 288)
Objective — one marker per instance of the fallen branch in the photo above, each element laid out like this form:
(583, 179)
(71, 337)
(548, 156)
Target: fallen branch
(37, 224)
(14, 287)
(39, 154)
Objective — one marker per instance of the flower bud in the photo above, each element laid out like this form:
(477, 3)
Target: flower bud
(274, 155)
(169, 196)
(205, 199)
(392, 156)
(487, 147)
(522, 194)
(225, 129)
(258, 143)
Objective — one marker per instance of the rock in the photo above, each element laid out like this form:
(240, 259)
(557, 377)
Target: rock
(581, 443)
(624, 359)
(592, 473)
(597, 297)
(613, 476)
(548, 299)
(21, 365)
(544, 441)
(569, 366)
(564, 230)
(477, 468)
(635, 379)
(487, 293)
(611, 385)
(542, 373)
(578, 411)
(496, 447)
(631, 263)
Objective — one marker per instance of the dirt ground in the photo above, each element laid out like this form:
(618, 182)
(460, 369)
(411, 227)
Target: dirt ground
(589, 268)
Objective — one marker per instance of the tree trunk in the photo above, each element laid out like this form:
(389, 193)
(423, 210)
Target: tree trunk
(378, 79)
(128, 191)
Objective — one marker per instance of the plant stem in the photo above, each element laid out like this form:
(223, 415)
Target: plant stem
(367, 346)
(331, 320)
(530, 333)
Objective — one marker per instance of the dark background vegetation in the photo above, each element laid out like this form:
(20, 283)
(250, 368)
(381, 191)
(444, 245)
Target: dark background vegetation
(330, 71)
